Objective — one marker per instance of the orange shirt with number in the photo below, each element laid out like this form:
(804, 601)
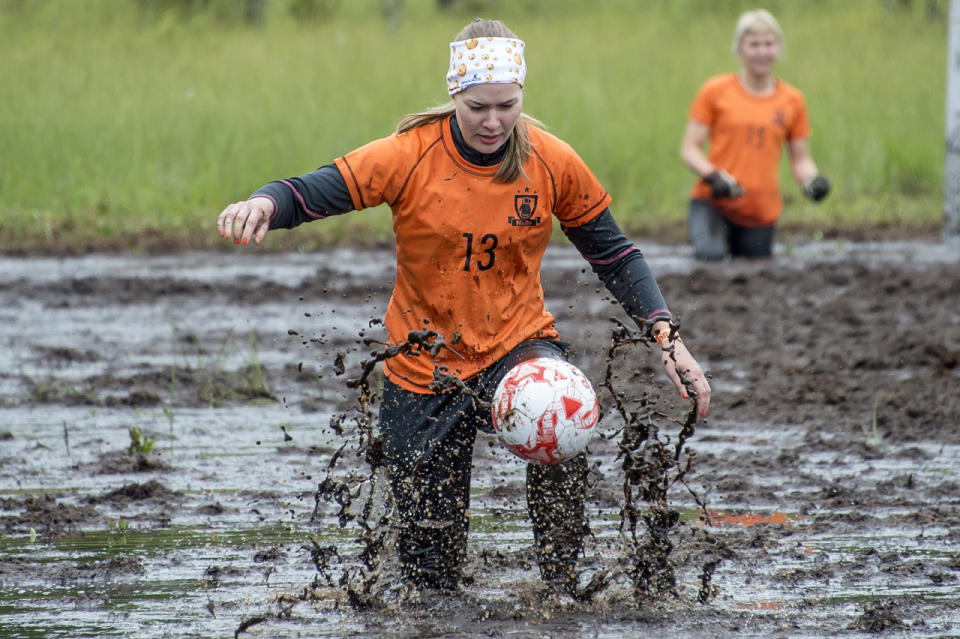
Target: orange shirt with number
(468, 248)
(747, 133)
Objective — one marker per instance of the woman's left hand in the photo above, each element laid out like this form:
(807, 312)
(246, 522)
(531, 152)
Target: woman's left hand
(679, 360)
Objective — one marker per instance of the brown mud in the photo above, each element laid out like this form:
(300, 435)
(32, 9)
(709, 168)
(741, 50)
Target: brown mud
(820, 498)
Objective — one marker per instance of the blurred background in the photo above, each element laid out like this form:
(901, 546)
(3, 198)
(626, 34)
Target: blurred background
(129, 124)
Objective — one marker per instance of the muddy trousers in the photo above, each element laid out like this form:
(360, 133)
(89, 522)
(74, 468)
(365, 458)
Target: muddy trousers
(714, 237)
(428, 442)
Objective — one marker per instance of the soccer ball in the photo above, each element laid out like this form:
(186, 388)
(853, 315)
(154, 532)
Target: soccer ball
(545, 410)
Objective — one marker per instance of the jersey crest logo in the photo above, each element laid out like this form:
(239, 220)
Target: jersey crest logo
(524, 206)
(780, 118)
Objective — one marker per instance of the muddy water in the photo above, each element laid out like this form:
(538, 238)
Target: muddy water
(829, 465)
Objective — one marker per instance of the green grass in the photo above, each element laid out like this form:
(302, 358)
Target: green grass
(130, 129)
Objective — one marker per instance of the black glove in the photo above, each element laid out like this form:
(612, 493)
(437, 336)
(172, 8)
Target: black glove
(816, 188)
(722, 184)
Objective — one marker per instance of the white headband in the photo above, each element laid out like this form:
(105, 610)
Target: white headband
(485, 61)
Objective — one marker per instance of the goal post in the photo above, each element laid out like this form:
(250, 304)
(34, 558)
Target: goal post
(951, 181)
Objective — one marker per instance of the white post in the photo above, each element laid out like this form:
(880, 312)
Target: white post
(951, 182)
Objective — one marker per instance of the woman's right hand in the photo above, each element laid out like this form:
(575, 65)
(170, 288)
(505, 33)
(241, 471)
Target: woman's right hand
(246, 220)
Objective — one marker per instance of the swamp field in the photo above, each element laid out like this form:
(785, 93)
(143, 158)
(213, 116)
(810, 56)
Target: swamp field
(822, 492)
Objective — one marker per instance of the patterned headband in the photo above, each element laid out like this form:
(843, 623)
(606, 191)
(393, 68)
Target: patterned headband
(485, 61)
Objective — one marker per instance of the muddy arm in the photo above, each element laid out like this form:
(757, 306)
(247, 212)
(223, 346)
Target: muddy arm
(621, 267)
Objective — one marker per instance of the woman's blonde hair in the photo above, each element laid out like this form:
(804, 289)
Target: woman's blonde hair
(518, 144)
(756, 21)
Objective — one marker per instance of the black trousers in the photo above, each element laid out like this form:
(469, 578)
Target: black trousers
(428, 441)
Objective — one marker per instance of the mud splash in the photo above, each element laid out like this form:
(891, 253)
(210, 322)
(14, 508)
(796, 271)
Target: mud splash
(362, 500)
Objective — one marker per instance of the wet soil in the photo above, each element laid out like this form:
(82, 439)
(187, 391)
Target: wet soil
(823, 496)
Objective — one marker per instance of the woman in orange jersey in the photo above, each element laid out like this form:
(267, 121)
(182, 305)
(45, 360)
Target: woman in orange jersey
(746, 117)
(474, 187)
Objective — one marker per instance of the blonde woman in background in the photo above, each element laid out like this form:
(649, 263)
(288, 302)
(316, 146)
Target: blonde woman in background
(745, 118)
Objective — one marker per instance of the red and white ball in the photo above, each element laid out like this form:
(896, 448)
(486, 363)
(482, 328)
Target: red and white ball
(545, 410)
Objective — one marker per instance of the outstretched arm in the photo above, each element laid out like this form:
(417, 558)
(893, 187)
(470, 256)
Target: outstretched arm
(621, 267)
(286, 204)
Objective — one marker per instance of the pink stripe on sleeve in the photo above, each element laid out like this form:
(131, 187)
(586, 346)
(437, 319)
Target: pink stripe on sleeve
(618, 256)
(313, 214)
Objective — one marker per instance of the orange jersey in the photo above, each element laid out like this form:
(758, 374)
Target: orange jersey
(747, 133)
(468, 248)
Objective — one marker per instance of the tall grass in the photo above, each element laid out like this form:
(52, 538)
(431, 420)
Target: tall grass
(128, 128)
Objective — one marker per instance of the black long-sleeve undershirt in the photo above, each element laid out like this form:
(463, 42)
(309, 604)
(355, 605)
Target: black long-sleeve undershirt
(313, 196)
(621, 266)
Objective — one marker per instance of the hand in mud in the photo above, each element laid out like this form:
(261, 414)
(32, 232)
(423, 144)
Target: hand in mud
(246, 220)
(680, 366)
